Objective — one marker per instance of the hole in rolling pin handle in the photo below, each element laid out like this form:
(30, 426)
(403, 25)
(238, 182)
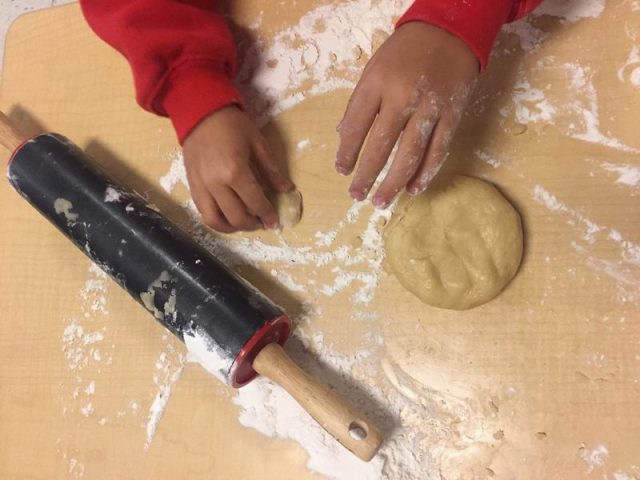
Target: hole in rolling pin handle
(357, 430)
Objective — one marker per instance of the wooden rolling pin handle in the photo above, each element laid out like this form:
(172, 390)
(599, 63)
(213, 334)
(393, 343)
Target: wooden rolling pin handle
(10, 136)
(345, 423)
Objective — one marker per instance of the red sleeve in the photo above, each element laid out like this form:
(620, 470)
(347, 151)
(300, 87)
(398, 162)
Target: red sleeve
(476, 22)
(181, 53)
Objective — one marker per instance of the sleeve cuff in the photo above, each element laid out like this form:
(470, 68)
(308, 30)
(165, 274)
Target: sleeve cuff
(193, 91)
(476, 22)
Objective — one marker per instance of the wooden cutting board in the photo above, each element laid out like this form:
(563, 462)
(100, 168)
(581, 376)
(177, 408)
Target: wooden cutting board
(543, 382)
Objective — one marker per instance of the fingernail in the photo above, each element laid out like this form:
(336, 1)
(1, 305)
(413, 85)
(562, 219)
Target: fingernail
(358, 195)
(287, 186)
(341, 170)
(379, 202)
(270, 223)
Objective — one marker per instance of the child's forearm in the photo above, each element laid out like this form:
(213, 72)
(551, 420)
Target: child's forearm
(181, 53)
(476, 22)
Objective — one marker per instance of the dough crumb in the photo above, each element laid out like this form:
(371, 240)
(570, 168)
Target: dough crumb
(289, 207)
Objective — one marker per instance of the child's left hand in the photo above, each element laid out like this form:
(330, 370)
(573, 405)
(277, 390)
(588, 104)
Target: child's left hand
(416, 85)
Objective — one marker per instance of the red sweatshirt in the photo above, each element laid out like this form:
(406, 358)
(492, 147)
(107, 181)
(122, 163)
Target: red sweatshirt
(184, 60)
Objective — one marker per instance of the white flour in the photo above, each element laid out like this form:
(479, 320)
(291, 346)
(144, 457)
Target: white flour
(623, 270)
(573, 109)
(629, 251)
(169, 367)
(587, 107)
(205, 351)
(531, 104)
(542, 196)
(571, 10)
(112, 195)
(176, 174)
(631, 64)
(83, 345)
(303, 144)
(270, 410)
(595, 457)
(627, 174)
(363, 261)
(529, 36)
(313, 57)
(76, 468)
(567, 10)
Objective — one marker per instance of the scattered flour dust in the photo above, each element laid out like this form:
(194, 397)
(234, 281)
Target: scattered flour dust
(566, 10)
(595, 457)
(83, 345)
(312, 57)
(627, 174)
(81, 339)
(76, 467)
(271, 411)
(176, 174)
(574, 109)
(206, 351)
(364, 261)
(531, 104)
(303, 144)
(169, 366)
(112, 195)
(629, 251)
(631, 65)
(624, 270)
(571, 10)
(623, 267)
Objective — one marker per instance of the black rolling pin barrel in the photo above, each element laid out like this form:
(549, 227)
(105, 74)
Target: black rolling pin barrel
(178, 281)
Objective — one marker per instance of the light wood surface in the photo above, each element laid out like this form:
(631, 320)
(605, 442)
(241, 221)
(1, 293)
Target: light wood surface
(527, 386)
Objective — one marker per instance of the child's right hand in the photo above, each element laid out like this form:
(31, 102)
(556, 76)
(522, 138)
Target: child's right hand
(228, 166)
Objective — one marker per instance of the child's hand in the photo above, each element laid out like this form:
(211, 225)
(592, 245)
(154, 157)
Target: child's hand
(228, 165)
(417, 84)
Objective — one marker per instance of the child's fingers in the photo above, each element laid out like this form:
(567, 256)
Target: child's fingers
(384, 133)
(234, 209)
(411, 152)
(435, 156)
(251, 193)
(269, 168)
(208, 208)
(359, 116)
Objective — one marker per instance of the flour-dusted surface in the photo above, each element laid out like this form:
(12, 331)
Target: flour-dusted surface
(205, 351)
(540, 382)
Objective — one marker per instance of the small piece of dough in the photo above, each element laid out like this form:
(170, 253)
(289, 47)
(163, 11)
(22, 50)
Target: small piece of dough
(289, 207)
(456, 246)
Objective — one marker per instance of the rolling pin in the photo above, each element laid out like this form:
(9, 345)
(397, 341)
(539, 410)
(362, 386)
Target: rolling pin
(184, 286)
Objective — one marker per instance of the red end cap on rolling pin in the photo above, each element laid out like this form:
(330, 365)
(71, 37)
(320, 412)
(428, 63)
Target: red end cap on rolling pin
(275, 330)
(17, 149)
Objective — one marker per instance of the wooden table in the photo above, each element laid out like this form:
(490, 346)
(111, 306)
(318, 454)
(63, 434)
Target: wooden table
(543, 382)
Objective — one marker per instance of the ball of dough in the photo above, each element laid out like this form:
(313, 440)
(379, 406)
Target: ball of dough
(289, 207)
(455, 246)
